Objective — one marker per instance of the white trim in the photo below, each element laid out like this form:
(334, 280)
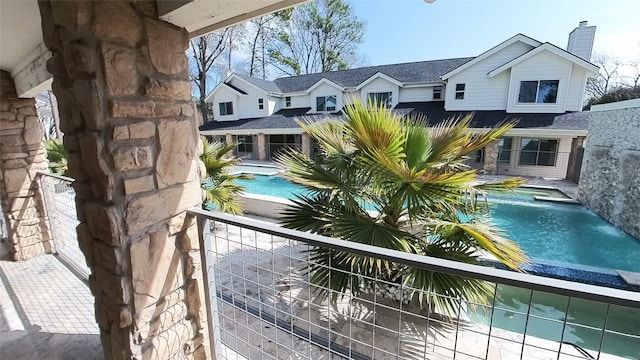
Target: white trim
(550, 48)
(381, 76)
(234, 76)
(423, 84)
(274, 131)
(519, 37)
(324, 81)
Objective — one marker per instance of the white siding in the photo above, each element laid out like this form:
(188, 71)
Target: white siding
(418, 94)
(482, 92)
(323, 90)
(575, 91)
(225, 94)
(248, 104)
(377, 86)
(542, 66)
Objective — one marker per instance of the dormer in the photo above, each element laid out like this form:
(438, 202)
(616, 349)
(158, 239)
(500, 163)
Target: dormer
(380, 88)
(325, 96)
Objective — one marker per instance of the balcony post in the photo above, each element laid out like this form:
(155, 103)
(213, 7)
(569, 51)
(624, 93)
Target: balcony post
(122, 81)
(22, 155)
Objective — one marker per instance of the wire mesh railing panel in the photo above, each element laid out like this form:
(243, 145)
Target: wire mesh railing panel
(59, 198)
(267, 304)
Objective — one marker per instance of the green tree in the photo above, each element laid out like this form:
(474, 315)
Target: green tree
(423, 195)
(320, 36)
(222, 193)
(57, 156)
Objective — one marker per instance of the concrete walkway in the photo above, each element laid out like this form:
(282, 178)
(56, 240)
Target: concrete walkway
(46, 312)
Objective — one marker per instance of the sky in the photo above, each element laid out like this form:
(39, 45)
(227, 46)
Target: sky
(413, 30)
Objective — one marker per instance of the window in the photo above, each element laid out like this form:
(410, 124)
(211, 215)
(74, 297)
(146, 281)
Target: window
(541, 152)
(245, 144)
(287, 101)
(504, 152)
(261, 103)
(326, 103)
(541, 92)
(460, 91)
(380, 98)
(437, 93)
(226, 108)
(478, 156)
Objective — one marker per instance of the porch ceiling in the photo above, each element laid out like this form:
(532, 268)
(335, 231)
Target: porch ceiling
(21, 31)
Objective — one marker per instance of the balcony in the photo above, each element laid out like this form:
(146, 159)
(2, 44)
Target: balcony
(262, 304)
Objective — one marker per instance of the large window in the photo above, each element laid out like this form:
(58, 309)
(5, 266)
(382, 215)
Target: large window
(279, 142)
(380, 98)
(245, 144)
(226, 108)
(437, 92)
(541, 152)
(460, 91)
(541, 92)
(504, 145)
(326, 103)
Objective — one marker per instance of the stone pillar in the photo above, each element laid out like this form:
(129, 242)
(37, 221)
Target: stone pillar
(307, 145)
(491, 152)
(122, 82)
(22, 156)
(575, 159)
(229, 139)
(262, 147)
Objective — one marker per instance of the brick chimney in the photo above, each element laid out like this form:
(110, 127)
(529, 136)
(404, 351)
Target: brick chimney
(581, 40)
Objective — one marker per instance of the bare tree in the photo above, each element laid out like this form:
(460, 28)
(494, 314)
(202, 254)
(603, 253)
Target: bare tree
(205, 51)
(607, 78)
(322, 36)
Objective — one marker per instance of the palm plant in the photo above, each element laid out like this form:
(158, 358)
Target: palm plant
(422, 193)
(57, 156)
(222, 193)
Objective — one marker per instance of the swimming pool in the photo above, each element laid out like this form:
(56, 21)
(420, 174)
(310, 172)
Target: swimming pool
(564, 234)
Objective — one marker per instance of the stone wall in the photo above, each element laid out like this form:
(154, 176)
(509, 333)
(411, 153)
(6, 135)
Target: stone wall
(122, 82)
(491, 153)
(22, 155)
(610, 177)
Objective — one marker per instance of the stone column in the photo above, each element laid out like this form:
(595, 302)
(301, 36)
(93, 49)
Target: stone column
(229, 139)
(491, 152)
(575, 159)
(22, 155)
(262, 147)
(122, 82)
(307, 145)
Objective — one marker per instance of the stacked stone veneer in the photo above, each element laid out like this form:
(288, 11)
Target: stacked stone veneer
(122, 82)
(491, 152)
(21, 157)
(610, 176)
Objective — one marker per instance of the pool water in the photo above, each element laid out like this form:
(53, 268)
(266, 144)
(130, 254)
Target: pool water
(555, 233)
(547, 316)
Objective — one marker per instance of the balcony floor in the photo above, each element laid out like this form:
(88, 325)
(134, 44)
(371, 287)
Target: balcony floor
(46, 311)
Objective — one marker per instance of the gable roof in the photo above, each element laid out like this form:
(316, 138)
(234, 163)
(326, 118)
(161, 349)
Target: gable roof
(225, 83)
(324, 81)
(545, 47)
(435, 113)
(379, 75)
(517, 38)
(266, 85)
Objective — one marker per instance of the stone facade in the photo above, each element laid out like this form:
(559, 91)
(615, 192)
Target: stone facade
(262, 147)
(307, 145)
(610, 177)
(22, 156)
(574, 163)
(491, 152)
(122, 82)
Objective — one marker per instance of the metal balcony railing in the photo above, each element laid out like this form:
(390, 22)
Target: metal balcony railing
(262, 305)
(60, 203)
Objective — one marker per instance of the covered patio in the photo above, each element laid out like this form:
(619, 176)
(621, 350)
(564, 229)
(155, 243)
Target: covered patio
(120, 74)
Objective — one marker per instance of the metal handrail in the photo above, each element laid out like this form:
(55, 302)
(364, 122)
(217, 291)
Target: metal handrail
(56, 176)
(523, 280)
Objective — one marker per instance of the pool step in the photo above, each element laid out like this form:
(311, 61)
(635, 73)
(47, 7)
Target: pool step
(631, 278)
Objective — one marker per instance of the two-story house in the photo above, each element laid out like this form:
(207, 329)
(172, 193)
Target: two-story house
(539, 84)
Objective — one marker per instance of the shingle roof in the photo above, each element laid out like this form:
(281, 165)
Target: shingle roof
(407, 73)
(236, 89)
(283, 119)
(265, 85)
(435, 113)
